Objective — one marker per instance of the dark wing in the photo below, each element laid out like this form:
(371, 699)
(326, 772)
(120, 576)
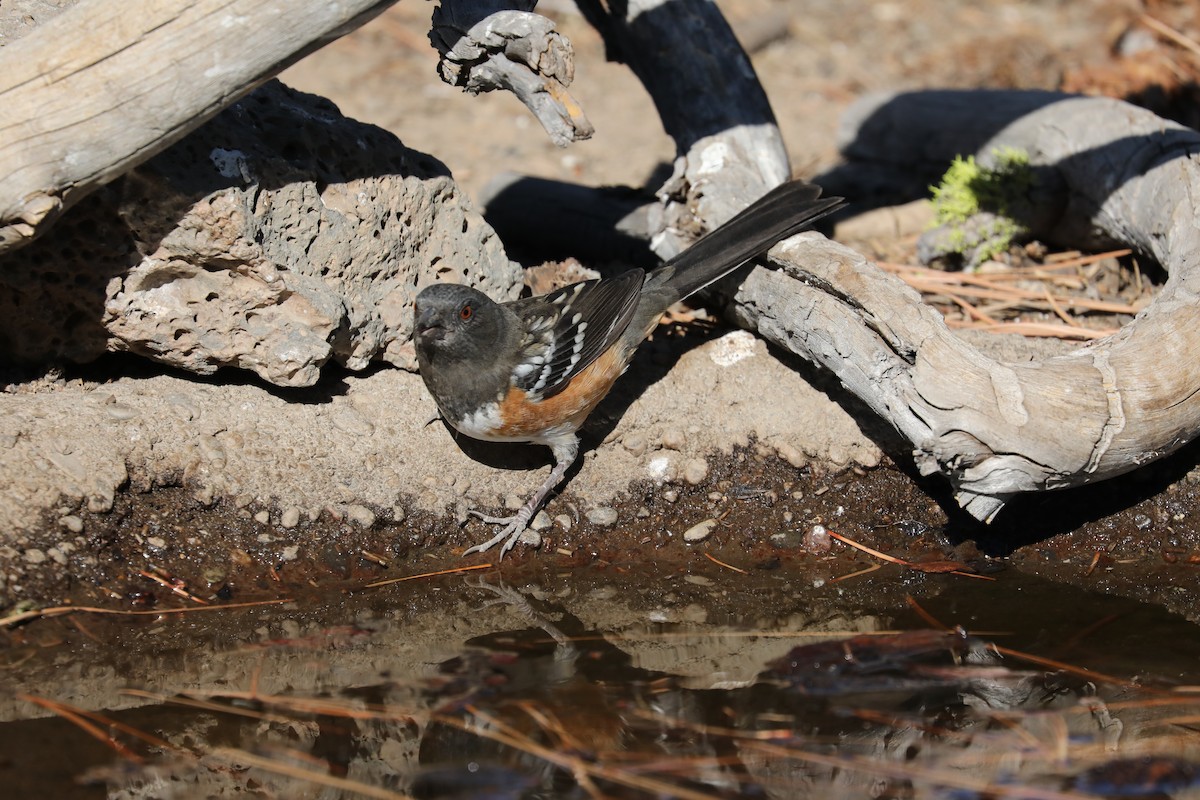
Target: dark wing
(570, 328)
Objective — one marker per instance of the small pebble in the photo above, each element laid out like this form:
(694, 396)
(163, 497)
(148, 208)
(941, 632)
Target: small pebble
(698, 580)
(659, 468)
(72, 523)
(642, 512)
(399, 514)
(157, 542)
(290, 553)
(100, 503)
(603, 516)
(513, 502)
(673, 439)
(35, 556)
(695, 471)
(791, 455)
(540, 522)
(635, 443)
(530, 538)
(262, 517)
(700, 531)
(564, 521)
(817, 540)
(671, 496)
(349, 420)
(120, 411)
(362, 515)
(290, 517)
(58, 556)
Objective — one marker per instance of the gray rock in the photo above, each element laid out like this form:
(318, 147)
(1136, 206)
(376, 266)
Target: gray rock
(274, 238)
(695, 471)
(290, 517)
(361, 515)
(700, 531)
(603, 516)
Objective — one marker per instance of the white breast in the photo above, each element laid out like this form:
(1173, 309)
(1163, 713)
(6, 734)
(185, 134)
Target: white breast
(481, 424)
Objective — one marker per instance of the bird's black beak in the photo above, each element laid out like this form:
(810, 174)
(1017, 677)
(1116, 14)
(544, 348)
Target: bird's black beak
(427, 325)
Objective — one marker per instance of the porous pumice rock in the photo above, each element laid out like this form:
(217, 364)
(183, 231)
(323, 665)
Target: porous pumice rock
(273, 238)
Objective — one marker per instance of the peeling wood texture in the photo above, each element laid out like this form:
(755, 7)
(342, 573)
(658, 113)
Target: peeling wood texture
(498, 44)
(131, 83)
(1109, 172)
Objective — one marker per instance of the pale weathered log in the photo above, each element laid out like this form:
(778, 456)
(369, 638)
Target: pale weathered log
(497, 44)
(1107, 172)
(1110, 172)
(104, 86)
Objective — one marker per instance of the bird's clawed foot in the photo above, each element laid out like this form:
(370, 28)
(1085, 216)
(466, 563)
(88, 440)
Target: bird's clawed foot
(514, 526)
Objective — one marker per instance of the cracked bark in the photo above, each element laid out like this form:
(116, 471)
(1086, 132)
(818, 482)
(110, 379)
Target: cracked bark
(1108, 173)
(131, 84)
(498, 44)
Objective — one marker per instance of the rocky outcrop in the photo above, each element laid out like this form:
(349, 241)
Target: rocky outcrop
(275, 237)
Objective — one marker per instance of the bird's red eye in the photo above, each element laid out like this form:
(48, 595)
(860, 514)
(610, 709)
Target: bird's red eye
(465, 313)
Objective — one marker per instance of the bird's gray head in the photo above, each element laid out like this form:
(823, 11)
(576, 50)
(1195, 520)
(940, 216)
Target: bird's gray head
(452, 321)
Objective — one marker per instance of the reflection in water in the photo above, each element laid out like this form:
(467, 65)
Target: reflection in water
(568, 689)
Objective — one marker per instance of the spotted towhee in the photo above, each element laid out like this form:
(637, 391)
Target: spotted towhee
(533, 369)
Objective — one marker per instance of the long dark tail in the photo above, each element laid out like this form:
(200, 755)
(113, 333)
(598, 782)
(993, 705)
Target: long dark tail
(780, 213)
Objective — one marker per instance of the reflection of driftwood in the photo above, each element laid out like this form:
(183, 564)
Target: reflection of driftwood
(104, 86)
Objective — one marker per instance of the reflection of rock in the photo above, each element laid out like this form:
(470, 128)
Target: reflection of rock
(276, 236)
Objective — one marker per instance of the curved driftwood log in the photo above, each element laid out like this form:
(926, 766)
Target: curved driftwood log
(1108, 172)
(102, 87)
(498, 44)
(711, 103)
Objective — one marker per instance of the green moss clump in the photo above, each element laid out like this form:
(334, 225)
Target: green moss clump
(969, 189)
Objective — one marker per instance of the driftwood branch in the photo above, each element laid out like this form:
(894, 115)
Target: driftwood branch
(101, 88)
(497, 44)
(1109, 172)
(711, 103)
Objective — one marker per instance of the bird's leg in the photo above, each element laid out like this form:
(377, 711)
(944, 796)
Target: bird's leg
(514, 526)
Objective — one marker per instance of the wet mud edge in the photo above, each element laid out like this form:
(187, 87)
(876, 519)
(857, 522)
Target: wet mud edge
(1136, 536)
